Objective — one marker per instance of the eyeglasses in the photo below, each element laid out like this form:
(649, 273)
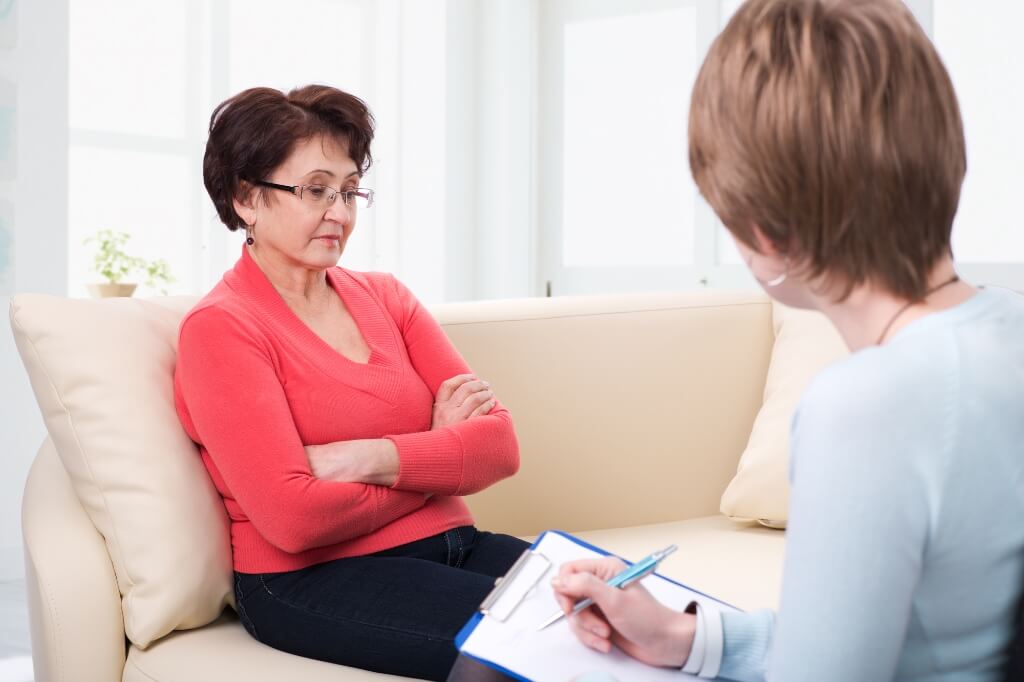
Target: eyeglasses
(323, 196)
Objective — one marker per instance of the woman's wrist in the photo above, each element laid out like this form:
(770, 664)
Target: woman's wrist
(383, 464)
(371, 461)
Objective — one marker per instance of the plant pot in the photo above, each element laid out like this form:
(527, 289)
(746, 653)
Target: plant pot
(107, 290)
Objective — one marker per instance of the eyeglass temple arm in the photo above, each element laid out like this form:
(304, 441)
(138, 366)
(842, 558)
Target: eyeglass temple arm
(288, 188)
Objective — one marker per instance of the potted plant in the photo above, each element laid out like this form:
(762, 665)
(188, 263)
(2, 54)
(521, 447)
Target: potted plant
(114, 264)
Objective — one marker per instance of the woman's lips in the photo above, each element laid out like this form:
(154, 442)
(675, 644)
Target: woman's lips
(330, 239)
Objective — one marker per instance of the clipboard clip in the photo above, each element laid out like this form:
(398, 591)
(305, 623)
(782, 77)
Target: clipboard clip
(511, 589)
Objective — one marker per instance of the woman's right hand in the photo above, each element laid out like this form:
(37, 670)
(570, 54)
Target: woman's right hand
(631, 619)
(459, 398)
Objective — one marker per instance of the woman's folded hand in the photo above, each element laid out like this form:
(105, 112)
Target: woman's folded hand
(460, 398)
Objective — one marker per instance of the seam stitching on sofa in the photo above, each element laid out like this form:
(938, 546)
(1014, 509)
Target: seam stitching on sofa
(601, 314)
(56, 635)
(16, 322)
(142, 672)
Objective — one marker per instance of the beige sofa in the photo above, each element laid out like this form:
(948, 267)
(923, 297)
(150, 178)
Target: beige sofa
(632, 413)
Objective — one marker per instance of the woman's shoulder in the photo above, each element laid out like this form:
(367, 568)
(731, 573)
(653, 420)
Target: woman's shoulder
(380, 283)
(395, 297)
(873, 379)
(873, 396)
(925, 360)
(220, 311)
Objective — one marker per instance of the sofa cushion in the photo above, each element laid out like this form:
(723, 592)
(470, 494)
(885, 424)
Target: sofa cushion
(739, 564)
(805, 342)
(102, 371)
(225, 651)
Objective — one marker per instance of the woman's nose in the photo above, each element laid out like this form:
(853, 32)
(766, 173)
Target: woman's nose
(339, 212)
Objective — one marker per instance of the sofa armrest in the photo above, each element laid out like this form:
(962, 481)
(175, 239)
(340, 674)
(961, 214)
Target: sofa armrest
(73, 601)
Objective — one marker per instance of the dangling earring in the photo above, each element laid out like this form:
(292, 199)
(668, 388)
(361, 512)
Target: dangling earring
(248, 234)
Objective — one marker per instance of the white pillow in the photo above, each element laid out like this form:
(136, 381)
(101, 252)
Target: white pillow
(805, 342)
(102, 374)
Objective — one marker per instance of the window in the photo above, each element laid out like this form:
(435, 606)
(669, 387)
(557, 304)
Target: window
(571, 170)
(129, 150)
(144, 76)
(978, 48)
(624, 173)
(617, 207)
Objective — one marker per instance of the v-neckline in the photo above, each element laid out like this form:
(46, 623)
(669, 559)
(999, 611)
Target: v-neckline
(336, 288)
(357, 301)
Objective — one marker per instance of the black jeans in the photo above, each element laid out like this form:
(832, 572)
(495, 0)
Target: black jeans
(395, 611)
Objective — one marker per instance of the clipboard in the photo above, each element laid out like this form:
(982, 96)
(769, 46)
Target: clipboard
(503, 634)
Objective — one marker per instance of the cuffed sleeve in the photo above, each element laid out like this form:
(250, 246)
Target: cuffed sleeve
(746, 639)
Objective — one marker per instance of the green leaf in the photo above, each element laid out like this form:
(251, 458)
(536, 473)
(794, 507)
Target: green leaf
(114, 263)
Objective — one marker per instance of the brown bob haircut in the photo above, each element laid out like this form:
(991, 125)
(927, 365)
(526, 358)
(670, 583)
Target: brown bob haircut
(253, 133)
(832, 125)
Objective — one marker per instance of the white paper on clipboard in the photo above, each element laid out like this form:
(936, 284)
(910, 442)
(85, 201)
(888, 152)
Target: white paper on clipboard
(514, 644)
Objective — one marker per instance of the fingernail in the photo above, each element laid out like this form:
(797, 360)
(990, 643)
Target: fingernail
(487, 384)
(556, 582)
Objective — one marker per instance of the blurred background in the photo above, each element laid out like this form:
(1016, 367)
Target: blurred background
(524, 148)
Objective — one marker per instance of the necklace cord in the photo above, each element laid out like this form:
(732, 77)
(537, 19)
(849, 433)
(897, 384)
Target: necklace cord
(892, 320)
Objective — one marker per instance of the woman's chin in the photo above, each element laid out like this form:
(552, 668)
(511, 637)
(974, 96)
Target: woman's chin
(324, 259)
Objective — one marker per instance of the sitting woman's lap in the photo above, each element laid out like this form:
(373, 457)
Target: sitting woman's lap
(395, 611)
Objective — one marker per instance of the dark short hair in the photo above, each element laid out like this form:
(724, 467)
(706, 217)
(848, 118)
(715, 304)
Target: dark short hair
(833, 126)
(254, 132)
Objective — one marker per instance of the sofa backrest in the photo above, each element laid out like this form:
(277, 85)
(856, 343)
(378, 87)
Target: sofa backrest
(629, 409)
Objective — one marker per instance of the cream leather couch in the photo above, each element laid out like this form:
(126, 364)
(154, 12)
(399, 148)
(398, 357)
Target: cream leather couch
(632, 412)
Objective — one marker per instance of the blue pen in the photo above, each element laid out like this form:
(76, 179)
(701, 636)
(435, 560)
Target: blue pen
(630, 575)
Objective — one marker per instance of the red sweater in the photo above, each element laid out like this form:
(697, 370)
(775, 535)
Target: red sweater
(253, 385)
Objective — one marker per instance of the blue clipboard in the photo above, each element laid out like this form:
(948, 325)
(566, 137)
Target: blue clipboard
(514, 572)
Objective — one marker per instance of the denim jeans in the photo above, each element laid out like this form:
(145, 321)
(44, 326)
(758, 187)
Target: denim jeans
(395, 611)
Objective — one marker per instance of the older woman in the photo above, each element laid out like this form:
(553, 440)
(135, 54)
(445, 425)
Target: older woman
(827, 137)
(339, 424)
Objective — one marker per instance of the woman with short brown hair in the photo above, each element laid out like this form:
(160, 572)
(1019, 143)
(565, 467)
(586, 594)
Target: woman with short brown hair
(827, 137)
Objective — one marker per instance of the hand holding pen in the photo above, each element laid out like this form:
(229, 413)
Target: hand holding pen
(631, 619)
(622, 579)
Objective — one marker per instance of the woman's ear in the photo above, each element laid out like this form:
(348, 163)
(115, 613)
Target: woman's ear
(765, 246)
(245, 202)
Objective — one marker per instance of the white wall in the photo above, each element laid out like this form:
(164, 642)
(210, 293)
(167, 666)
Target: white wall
(505, 225)
(453, 97)
(37, 66)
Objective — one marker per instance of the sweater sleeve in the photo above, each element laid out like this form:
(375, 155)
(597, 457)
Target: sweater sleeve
(746, 638)
(233, 400)
(460, 459)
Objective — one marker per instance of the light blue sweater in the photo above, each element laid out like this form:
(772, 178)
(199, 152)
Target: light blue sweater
(905, 543)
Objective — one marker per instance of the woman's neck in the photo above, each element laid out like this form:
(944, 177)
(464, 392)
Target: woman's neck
(871, 315)
(300, 287)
